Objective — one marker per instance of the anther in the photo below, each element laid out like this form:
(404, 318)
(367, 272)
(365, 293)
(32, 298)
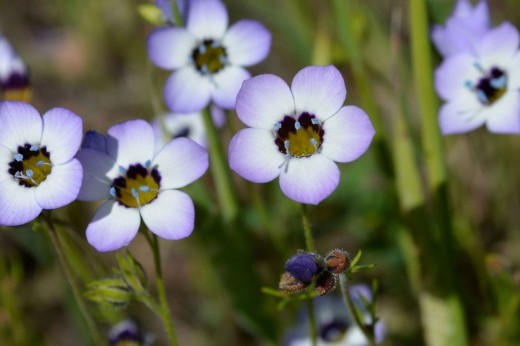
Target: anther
(202, 48)
(18, 157)
(40, 163)
(122, 170)
(468, 84)
(204, 69)
(297, 125)
(314, 143)
(479, 67)
(498, 83)
(277, 126)
(314, 121)
(34, 148)
(134, 192)
(147, 164)
(29, 173)
(144, 188)
(112, 191)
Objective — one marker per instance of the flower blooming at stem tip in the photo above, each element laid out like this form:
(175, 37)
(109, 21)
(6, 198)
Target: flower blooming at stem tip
(297, 133)
(14, 76)
(37, 155)
(207, 56)
(138, 180)
(482, 88)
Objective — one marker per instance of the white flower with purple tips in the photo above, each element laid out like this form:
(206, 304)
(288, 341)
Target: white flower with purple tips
(297, 133)
(207, 55)
(37, 156)
(138, 180)
(484, 87)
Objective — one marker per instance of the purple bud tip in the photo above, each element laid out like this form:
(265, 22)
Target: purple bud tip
(302, 267)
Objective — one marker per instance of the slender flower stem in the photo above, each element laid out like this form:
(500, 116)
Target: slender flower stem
(56, 242)
(220, 170)
(353, 312)
(309, 244)
(307, 231)
(176, 14)
(161, 290)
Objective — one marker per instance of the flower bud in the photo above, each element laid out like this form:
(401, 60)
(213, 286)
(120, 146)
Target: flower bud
(290, 284)
(112, 292)
(302, 267)
(132, 272)
(325, 283)
(337, 261)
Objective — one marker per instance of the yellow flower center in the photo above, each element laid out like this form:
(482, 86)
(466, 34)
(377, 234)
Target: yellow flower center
(136, 186)
(209, 57)
(31, 165)
(300, 137)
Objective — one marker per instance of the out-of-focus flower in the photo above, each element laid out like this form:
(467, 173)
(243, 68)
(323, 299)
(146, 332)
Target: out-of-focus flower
(14, 77)
(484, 87)
(335, 325)
(127, 333)
(137, 180)
(37, 155)
(190, 125)
(297, 133)
(463, 29)
(207, 56)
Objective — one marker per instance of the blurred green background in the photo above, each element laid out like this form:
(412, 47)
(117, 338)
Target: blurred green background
(90, 57)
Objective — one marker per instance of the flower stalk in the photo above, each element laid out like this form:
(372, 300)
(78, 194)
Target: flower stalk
(76, 291)
(219, 170)
(309, 245)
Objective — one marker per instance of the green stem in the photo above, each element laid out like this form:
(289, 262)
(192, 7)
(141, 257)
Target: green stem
(220, 170)
(56, 242)
(176, 13)
(309, 245)
(353, 312)
(161, 290)
(307, 231)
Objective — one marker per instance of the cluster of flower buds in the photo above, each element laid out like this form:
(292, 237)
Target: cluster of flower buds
(307, 269)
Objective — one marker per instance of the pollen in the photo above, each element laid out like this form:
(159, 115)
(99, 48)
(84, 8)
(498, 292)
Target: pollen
(30, 165)
(136, 186)
(209, 57)
(300, 137)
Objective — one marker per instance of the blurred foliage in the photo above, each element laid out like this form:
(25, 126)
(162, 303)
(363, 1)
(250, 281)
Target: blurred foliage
(90, 57)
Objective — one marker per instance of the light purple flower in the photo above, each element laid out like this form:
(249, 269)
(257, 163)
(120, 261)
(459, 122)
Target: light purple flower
(482, 88)
(37, 156)
(190, 125)
(463, 29)
(334, 324)
(14, 77)
(296, 133)
(137, 180)
(207, 56)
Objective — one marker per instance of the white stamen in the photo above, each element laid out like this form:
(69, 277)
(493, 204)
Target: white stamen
(314, 121)
(18, 157)
(297, 125)
(29, 173)
(498, 83)
(482, 96)
(479, 67)
(134, 192)
(144, 188)
(19, 175)
(202, 48)
(277, 126)
(204, 69)
(468, 84)
(112, 191)
(286, 145)
(34, 148)
(40, 163)
(122, 170)
(147, 164)
(314, 143)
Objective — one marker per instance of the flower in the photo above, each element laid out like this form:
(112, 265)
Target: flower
(190, 125)
(138, 180)
(482, 88)
(297, 133)
(127, 333)
(463, 29)
(334, 324)
(37, 155)
(208, 57)
(14, 78)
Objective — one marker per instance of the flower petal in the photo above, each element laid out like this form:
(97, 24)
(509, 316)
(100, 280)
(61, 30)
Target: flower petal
(207, 18)
(453, 75)
(504, 115)
(247, 42)
(62, 134)
(319, 90)
(170, 47)
(99, 169)
(171, 215)
(254, 155)
(310, 179)
(500, 41)
(460, 115)
(113, 226)
(347, 135)
(227, 83)
(180, 162)
(61, 187)
(21, 123)
(131, 142)
(263, 101)
(186, 91)
(17, 204)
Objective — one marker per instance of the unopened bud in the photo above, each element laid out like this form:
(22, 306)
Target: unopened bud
(109, 292)
(290, 284)
(325, 283)
(337, 261)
